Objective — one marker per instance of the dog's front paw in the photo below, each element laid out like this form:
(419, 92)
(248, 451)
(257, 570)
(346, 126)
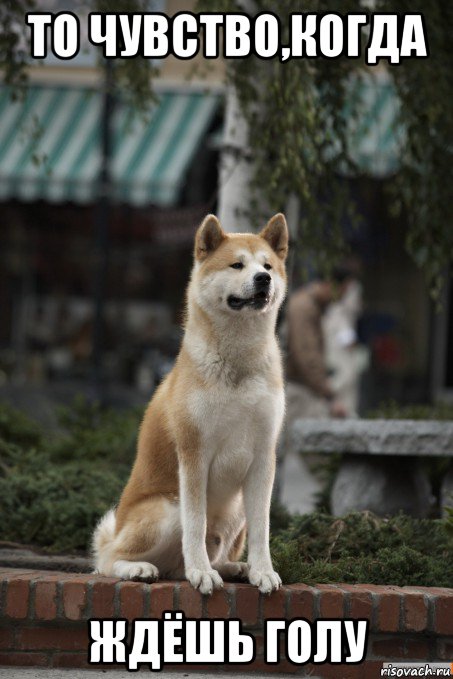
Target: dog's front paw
(135, 570)
(238, 570)
(204, 580)
(266, 580)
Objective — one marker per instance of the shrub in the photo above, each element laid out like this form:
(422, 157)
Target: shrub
(54, 506)
(391, 410)
(361, 547)
(16, 427)
(90, 432)
(54, 490)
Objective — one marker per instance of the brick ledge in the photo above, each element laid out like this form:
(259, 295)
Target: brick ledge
(43, 615)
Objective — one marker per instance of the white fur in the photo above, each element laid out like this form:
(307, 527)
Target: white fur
(166, 552)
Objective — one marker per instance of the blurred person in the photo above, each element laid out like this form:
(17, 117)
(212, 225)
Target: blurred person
(346, 358)
(309, 391)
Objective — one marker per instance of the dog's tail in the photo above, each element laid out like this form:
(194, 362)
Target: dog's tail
(103, 537)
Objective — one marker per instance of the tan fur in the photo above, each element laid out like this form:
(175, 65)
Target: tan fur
(206, 448)
(238, 546)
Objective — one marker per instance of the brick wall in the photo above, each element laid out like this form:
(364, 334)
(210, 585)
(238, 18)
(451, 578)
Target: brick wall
(43, 617)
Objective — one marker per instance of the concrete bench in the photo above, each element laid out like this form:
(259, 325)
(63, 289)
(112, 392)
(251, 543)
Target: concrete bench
(380, 470)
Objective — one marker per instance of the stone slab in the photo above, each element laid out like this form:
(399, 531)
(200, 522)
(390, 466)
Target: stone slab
(374, 437)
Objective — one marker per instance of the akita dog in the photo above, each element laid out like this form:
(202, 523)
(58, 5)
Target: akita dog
(205, 462)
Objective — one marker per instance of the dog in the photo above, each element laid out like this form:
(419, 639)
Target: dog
(205, 463)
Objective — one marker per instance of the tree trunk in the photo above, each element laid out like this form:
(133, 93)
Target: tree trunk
(236, 168)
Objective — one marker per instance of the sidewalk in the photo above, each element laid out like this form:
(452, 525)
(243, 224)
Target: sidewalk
(33, 673)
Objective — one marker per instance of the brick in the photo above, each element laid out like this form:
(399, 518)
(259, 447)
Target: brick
(103, 598)
(64, 639)
(132, 600)
(444, 615)
(444, 649)
(331, 602)
(24, 659)
(417, 649)
(73, 660)
(53, 576)
(84, 578)
(46, 600)
(389, 648)
(259, 644)
(336, 671)
(74, 599)
(18, 596)
(302, 601)
(388, 612)
(415, 612)
(6, 637)
(7, 572)
(247, 604)
(274, 604)
(360, 601)
(218, 604)
(161, 598)
(259, 665)
(190, 600)
(400, 647)
(431, 591)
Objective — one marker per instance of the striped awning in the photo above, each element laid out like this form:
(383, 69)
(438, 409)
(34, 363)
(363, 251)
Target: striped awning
(50, 145)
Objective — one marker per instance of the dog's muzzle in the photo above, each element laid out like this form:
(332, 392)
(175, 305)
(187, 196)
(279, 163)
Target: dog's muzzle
(260, 298)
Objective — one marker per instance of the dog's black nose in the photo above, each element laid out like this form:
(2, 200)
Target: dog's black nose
(262, 279)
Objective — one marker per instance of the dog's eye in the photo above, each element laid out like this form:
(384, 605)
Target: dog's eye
(268, 267)
(237, 265)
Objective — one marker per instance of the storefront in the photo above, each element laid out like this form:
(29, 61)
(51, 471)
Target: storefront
(163, 178)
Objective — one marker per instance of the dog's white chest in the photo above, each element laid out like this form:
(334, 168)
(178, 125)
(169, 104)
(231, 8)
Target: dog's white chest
(235, 424)
(226, 413)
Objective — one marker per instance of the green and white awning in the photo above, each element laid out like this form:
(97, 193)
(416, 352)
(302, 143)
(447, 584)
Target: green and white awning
(375, 136)
(50, 145)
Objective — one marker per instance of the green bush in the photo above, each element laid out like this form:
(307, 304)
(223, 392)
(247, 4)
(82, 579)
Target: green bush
(361, 547)
(53, 489)
(91, 433)
(391, 410)
(54, 506)
(15, 427)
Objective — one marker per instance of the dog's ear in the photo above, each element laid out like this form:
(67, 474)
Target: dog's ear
(209, 236)
(276, 234)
